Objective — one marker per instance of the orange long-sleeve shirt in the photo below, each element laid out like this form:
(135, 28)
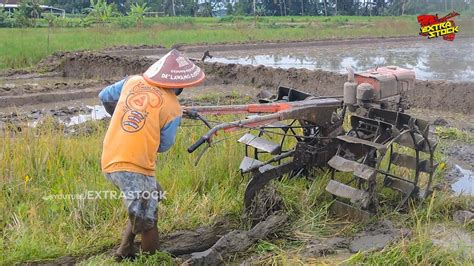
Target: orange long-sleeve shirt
(144, 114)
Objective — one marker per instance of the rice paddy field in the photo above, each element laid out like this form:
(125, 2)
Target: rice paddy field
(49, 177)
(24, 47)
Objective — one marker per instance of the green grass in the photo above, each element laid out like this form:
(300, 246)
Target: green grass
(452, 133)
(35, 166)
(41, 162)
(25, 47)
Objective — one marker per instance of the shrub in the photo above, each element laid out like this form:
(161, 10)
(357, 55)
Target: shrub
(126, 22)
(137, 12)
(5, 20)
(73, 22)
(231, 19)
(226, 19)
(19, 20)
(27, 13)
(100, 11)
(50, 19)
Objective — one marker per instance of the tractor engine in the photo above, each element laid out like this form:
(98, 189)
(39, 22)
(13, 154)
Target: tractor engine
(383, 87)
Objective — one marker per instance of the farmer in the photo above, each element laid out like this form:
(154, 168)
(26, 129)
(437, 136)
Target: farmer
(145, 116)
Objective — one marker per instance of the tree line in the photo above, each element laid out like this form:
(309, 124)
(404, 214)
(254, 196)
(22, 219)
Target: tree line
(269, 7)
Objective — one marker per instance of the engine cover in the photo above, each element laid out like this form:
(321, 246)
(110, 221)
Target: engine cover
(388, 82)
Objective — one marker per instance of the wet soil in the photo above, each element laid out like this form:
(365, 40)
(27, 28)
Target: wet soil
(238, 241)
(459, 120)
(198, 49)
(453, 239)
(95, 70)
(177, 243)
(52, 87)
(434, 95)
(437, 95)
(266, 202)
(374, 238)
(461, 154)
(377, 237)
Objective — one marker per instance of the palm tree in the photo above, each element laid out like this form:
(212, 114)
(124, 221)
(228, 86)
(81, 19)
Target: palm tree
(138, 11)
(100, 10)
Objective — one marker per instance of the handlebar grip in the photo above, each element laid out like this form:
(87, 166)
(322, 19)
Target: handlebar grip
(197, 144)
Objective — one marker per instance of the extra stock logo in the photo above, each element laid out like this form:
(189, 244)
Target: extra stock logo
(434, 27)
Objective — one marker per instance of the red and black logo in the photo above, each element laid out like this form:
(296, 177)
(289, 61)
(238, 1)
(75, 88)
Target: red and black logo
(434, 27)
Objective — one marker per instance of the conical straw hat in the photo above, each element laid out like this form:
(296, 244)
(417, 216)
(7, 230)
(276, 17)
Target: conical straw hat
(174, 71)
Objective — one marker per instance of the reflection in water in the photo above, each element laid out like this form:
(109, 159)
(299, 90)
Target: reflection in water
(465, 184)
(431, 59)
(97, 112)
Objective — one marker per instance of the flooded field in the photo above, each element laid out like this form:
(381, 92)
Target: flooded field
(431, 59)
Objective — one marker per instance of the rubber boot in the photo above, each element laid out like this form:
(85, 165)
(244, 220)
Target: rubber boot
(126, 249)
(150, 243)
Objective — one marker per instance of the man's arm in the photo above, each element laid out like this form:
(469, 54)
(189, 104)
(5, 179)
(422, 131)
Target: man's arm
(168, 134)
(110, 95)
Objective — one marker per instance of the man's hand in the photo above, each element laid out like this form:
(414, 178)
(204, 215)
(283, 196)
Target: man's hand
(110, 107)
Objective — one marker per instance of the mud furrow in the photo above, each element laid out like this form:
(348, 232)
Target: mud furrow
(48, 97)
(437, 95)
(104, 68)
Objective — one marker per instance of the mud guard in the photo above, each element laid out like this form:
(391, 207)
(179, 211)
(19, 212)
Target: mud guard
(259, 180)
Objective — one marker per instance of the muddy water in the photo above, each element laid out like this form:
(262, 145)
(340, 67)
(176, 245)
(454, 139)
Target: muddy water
(88, 113)
(464, 185)
(431, 59)
(97, 112)
(68, 113)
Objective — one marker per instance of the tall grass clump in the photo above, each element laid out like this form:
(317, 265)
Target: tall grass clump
(43, 171)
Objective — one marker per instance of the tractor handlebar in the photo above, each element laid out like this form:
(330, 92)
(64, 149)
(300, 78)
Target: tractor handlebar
(197, 144)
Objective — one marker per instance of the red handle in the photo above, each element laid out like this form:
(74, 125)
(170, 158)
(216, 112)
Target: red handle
(268, 108)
